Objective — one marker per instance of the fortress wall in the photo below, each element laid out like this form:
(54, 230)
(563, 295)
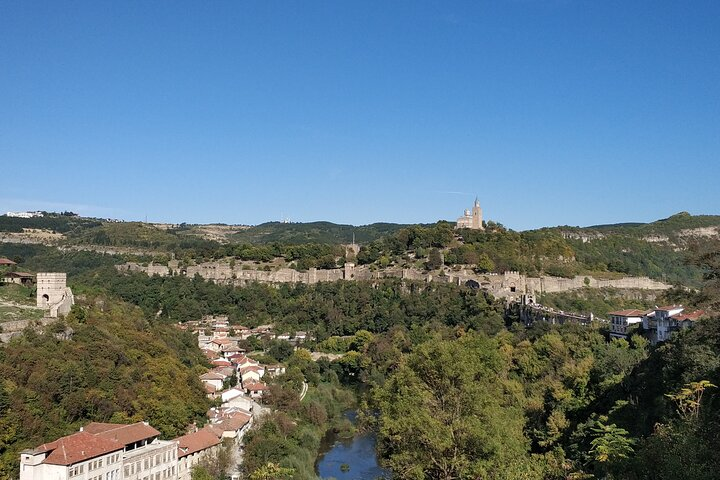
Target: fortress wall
(15, 327)
(508, 284)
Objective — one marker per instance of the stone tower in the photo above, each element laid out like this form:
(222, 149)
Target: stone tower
(50, 288)
(477, 216)
(53, 293)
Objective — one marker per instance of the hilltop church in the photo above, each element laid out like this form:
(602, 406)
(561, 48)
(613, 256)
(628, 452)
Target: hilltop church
(471, 219)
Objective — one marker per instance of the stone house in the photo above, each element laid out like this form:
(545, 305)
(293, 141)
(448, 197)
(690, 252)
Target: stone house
(19, 278)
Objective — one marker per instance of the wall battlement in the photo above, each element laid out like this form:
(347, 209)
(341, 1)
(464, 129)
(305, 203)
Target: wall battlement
(510, 285)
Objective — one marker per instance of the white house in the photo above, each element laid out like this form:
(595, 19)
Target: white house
(622, 319)
(231, 394)
(658, 322)
(80, 456)
(214, 379)
(251, 373)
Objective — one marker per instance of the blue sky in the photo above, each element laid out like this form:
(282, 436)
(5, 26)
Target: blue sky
(552, 112)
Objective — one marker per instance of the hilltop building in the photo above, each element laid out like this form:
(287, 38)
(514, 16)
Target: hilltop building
(471, 219)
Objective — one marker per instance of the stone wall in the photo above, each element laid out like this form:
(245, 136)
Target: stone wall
(16, 327)
(509, 285)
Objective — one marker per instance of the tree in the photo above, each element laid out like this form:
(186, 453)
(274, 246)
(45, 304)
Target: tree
(435, 260)
(444, 414)
(689, 397)
(272, 471)
(611, 443)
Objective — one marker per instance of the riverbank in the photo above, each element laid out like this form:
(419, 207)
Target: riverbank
(353, 458)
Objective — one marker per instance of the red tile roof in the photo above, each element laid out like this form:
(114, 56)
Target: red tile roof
(125, 434)
(233, 423)
(78, 447)
(6, 261)
(256, 387)
(692, 316)
(196, 442)
(667, 308)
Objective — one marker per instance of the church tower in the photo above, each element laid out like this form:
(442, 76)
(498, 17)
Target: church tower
(477, 216)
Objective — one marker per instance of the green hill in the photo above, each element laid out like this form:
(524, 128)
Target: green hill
(314, 232)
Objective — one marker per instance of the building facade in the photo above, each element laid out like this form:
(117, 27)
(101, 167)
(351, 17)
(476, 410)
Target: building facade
(103, 451)
(471, 219)
(621, 320)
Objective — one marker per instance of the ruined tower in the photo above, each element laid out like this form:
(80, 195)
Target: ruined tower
(53, 293)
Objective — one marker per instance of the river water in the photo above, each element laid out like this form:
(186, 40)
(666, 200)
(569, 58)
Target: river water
(358, 453)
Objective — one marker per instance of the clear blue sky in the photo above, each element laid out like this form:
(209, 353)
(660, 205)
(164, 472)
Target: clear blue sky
(552, 112)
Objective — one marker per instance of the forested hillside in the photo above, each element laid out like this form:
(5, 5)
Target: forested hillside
(117, 366)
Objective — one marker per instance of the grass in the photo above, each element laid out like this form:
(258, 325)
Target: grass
(17, 294)
(10, 314)
(12, 295)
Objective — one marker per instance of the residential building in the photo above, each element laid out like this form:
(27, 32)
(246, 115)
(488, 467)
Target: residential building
(251, 373)
(80, 456)
(145, 457)
(662, 322)
(214, 379)
(193, 448)
(621, 320)
(255, 390)
(21, 278)
(103, 451)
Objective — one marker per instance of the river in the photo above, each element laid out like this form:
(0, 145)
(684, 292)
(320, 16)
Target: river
(357, 454)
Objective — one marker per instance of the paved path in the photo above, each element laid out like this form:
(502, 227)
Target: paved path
(304, 391)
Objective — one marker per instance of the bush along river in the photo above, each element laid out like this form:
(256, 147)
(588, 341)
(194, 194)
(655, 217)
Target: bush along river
(352, 458)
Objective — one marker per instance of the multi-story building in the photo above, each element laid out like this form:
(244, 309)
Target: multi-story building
(621, 320)
(658, 322)
(80, 456)
(662, 322)
(193, 448)
(103, 451)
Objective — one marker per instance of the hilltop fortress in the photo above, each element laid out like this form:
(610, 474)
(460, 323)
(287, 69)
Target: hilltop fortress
(512, 286)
